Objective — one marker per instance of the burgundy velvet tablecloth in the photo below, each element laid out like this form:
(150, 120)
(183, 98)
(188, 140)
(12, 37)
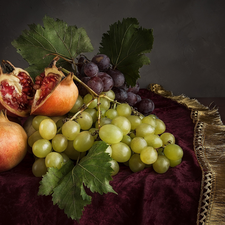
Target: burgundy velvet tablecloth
(143, 198)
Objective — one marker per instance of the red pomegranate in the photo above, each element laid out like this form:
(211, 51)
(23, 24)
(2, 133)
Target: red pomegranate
(55, 94)
(16, 90)
(13, 147)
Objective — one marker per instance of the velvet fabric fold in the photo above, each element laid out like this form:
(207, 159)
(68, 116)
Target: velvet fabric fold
(143, 198)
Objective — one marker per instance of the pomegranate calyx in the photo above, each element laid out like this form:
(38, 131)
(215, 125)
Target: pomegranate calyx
(3, 116)
(53, 69)
(7, 66)
(68, 79)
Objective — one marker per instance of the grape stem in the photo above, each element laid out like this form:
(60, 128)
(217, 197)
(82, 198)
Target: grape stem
(99, 112)
(94, 94)
(71, 61)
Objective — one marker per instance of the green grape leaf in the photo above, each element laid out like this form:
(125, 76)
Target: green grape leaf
(66, 185)
(53, 177)
(54, 38)
(91, 171)
(126, 44)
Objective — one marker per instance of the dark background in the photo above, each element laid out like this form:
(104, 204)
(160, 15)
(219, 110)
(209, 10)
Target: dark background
(189, 48)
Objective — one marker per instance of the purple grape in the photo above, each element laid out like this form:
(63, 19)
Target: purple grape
(107, 81)
(131, 98)
(134, 89)
(138, 98)
(129, 88)
(146, 106)
(90, 69)
(81, 60)
(82, 90)
(96, 84)
(120, 94)
(117, 76)
(102, 61)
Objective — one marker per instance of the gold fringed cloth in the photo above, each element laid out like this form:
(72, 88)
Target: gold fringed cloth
(209, 147)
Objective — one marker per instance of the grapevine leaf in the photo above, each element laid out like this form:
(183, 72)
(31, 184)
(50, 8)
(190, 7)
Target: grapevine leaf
(126, 44)
(55, 37)
(67, 184)
(53, 177)
(90, 169)
(70, 196)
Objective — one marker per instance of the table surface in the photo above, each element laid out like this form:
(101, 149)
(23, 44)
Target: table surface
(168, 192)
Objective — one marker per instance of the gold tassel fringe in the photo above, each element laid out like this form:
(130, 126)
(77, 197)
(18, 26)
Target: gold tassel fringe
(209, 147)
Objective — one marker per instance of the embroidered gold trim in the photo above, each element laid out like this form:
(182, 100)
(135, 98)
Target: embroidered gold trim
(209, 147)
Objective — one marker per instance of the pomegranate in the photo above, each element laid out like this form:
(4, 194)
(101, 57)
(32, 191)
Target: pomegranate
(13, 147)
(16, 90)
(55, 94)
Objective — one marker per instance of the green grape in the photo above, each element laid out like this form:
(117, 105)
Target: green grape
(59, 123)
(115, 166)
(149, 120)
(132, 135)
(148, 155)
(160, 151)
(93, 113)
(123, 123)
(120, 152)
(65, 157)
(37, 120)
(134, 121)
(174, 163)
(85, 120)
(70, 129)
(88, 98)
(41, 148)
(153, 116)
(102, 112)
(135, 163)
(83, 141)
(78, 104)
(39, 168)
(73, 153)
(110, 94)
(137, 144)
(57, 118)
(173, 152)
(110, 134)
(94, 132)
(104, 103)
(153, 140)
(109, 150)
(161, 165)
(167, 138)
(54, 159)
(103, 121)
(34, 137)
(59, 143)
(143, 129)
(123, 109)
(160, 127)
(126, 139)
(47, 129)
(111, 113)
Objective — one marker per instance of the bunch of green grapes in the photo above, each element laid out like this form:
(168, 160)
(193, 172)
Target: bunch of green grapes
(133, 139)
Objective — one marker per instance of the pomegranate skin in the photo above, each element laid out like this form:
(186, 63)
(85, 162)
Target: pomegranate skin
(23, 91)
(59, 101)
(13, 143)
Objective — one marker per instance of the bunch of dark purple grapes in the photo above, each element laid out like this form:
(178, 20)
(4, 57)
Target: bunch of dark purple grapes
(99, 75)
